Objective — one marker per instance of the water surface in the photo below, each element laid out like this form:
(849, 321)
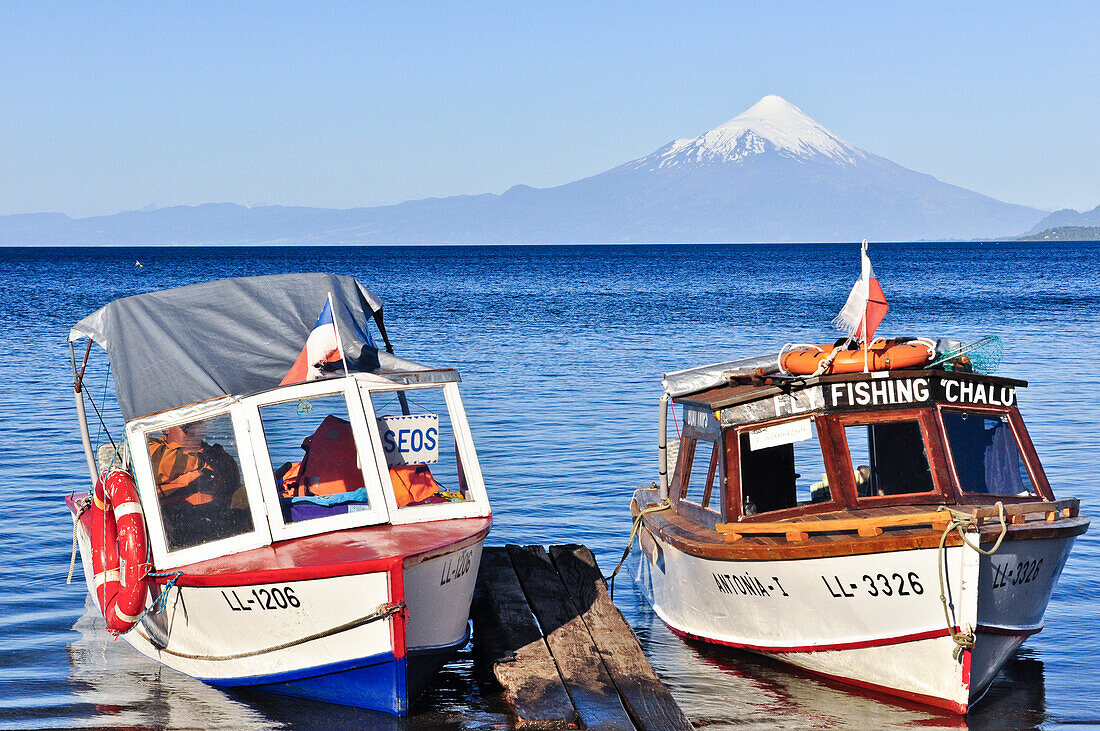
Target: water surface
(561, 351)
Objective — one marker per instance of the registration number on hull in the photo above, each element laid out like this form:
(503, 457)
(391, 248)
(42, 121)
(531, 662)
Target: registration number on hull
(274, 598)
(1023, 572)
(456, 566)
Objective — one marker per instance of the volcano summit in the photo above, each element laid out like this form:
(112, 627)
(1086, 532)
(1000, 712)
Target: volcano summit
(770, 174)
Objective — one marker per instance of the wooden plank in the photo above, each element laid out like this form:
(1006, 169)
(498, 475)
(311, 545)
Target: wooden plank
(939, 518)
(991, 512)
(646, 698)
(589, 684)
(507, 637)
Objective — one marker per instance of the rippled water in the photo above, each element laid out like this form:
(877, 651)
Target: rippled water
(561, 350)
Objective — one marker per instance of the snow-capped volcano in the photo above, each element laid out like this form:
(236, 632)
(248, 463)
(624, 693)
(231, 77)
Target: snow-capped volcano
(769, 174)
(772, 124)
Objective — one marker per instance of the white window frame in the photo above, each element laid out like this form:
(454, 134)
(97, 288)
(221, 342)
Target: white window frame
(163, 558)
(280, 530)
(477, 505)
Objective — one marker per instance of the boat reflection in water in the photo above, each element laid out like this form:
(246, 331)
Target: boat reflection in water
(127, 689)
(121, 688)
(757, 692)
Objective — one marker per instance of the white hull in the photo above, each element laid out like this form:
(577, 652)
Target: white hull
(271, 634)
(875, 620)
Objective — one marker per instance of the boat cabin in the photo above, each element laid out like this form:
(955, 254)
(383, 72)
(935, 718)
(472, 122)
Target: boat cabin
(774, 448)
(238, 437)
(233, 474)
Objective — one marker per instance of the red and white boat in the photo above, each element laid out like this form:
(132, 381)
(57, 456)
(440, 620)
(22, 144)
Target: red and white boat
(874, 513)
(318, 539)
(818, 521)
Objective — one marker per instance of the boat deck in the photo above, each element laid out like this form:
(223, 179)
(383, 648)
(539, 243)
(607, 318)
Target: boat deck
(340, 553)
(834, 533)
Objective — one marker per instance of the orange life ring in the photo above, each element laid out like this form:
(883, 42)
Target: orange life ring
(882, 355)
(119, 550)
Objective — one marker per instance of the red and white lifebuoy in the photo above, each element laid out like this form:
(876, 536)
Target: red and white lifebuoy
(118, 550)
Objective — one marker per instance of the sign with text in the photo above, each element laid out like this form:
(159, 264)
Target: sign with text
(920, 390)
(410, 439)
(773, 436)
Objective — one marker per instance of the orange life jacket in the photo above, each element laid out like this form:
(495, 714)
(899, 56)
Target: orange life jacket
(196, 477)
(289, 476)
(412, 483)
(331, 464)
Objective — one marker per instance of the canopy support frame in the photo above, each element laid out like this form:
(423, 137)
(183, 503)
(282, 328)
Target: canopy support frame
(81, 412)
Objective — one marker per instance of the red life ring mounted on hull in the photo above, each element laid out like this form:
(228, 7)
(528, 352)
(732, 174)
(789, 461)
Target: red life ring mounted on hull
(119, 550)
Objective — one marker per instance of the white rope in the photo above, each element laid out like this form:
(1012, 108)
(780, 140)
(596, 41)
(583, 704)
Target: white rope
(72, 559)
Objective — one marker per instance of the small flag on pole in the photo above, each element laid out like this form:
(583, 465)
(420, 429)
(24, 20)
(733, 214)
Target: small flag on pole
(322, 348)
(866, 305)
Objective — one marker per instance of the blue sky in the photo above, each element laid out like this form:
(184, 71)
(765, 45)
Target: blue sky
(105, 109)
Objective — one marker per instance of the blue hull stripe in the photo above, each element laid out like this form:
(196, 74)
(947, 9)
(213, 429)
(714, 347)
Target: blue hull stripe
(377, 682)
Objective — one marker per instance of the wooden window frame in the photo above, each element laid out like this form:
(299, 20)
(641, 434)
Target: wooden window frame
(931, 431)
(826, 441)
(1024, 444)
(698, 512)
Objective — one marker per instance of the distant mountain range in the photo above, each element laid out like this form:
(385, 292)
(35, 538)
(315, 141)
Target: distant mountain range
(1068, 218)
(769, 174)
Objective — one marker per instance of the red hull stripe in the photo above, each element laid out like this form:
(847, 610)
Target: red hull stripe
(927, 700)
(397, 624)
(931, 634)
(298, 573)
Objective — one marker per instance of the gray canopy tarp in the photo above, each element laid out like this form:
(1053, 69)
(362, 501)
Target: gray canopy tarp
(229, 337)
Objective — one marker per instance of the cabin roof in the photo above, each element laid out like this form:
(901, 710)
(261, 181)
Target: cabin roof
(750, 390)
(230, 337)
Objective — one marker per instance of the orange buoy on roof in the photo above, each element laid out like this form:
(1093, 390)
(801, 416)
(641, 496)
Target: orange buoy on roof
(882, 355)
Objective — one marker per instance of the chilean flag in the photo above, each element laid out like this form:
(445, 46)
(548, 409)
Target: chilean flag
(322, 347)
(866, 305)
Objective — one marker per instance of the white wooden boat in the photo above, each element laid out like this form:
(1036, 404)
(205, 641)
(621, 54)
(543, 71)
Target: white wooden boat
(317, 539)
(817, 520)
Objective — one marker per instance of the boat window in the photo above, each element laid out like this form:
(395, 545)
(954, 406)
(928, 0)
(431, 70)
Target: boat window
(782, 467)
(419, 444)
(200, 492)
(699, 480)
(318, 471)
(889, 458)
(986, 456)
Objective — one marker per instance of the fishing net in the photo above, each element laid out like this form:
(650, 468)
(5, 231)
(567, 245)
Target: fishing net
(981, 356)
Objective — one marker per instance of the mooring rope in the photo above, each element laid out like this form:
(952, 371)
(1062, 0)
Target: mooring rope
(83, 504)
(159, 603)
(72, 558)
(655, 508)
(960, 520)
(383, 611)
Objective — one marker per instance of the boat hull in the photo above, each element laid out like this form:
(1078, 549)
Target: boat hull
(873, 620)
(371, 639)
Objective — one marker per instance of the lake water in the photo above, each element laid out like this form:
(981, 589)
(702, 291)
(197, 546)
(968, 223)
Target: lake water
(561, 351)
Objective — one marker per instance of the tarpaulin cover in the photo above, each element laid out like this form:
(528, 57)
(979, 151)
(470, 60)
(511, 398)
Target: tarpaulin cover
(229, 337)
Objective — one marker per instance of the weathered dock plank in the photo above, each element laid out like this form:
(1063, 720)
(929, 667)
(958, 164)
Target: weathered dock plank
(646, 698)
(508, 637)
(594, 695)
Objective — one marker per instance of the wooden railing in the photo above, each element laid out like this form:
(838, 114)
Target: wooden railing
(799, 530)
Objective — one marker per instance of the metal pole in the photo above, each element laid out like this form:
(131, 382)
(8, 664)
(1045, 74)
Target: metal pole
(82, 415)
(662, 447)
